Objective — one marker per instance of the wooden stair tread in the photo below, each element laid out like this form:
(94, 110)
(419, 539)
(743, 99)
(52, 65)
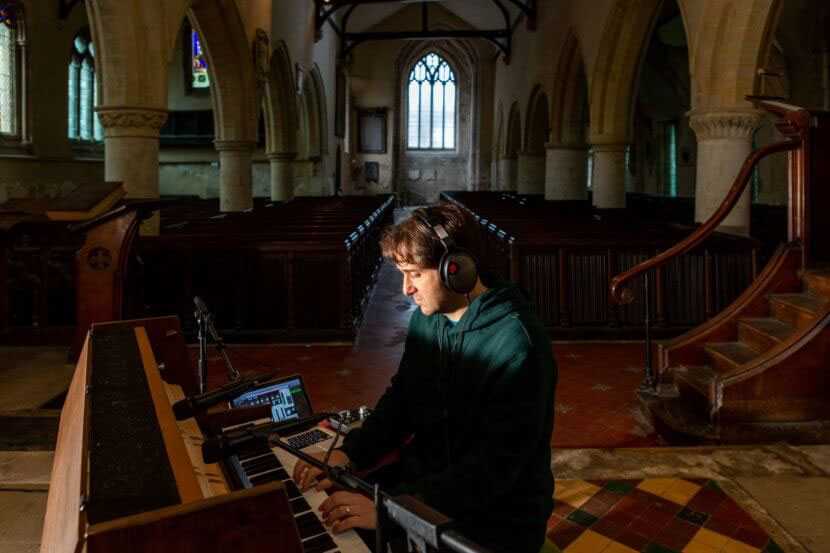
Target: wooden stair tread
(807, 303)
(776, 329)
(699, 377)
(734, 353)
(818, 281)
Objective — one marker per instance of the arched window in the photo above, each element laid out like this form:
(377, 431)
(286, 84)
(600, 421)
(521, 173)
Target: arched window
(9, 113)
(82, 92)
(198, 63)
(432, 105)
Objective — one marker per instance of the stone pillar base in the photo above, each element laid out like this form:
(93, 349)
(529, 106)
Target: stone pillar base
(235, 192)
(609, 176)
(531, 174)
(282, 176)
(566, 173)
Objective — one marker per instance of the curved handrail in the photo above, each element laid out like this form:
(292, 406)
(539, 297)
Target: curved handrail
(625, 295)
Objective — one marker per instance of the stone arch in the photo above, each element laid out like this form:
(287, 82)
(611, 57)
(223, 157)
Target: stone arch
(418, 178)
(537, 122)
(280, 103)
(733, 44)
(614, 74)
(313, 121)
(233, 83)
(569, 98)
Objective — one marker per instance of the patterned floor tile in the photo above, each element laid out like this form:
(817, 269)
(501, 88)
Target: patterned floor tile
(649, 516)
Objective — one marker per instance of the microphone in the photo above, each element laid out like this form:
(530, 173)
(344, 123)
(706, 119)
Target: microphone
(200, 305)
(189, 406)
(231, 442)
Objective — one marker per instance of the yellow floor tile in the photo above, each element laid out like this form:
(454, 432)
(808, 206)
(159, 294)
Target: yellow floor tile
(735, 546)
(681, 491)
(588, 542)
(574, 492)
(712, 539)
(697, 547)
(656, 485)
(616, 547)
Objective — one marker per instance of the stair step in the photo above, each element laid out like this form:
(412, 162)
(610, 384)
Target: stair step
(797, 309)
(701, 378)
(727, 356)
(818, 282)
(763, 334)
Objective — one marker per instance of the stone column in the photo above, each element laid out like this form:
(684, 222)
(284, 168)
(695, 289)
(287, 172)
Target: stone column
(724, 141)
(531, 173)
(131, 152)
(282, 176)
(609, 176)
(565, 172)
(507, 173)
(235, 193)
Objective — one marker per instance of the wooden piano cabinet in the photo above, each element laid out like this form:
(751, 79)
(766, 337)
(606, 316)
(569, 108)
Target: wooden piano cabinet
(254, 520)
(174, 505)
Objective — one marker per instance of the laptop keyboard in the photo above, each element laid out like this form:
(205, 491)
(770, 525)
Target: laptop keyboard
(306, 439)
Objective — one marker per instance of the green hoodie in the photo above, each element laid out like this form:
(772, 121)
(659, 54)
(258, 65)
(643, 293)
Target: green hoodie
(471, 409)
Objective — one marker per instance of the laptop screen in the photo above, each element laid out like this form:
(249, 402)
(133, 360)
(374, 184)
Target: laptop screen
(286, 396)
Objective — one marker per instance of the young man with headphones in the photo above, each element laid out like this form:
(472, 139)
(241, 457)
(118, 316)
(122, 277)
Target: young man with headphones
(471, 406)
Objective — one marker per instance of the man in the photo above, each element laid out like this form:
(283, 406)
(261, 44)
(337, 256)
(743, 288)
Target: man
(471, 406)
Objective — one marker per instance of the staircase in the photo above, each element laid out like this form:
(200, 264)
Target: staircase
(757, 372)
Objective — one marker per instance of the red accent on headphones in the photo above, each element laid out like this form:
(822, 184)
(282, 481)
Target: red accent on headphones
(452, 268)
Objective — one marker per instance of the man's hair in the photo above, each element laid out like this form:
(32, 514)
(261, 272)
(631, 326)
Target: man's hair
(414, 242)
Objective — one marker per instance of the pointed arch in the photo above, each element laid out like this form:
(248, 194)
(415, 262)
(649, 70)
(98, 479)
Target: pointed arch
(233, 82)
(313, 122)
(569, 98)
(622, 46)
(280, 102)
(537, 122)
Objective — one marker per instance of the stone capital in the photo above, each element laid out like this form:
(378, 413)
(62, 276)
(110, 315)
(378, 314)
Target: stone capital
(281, 156)
(729, 124)
(530, 154)
(234, 145)
(561, 146)
(131, 122)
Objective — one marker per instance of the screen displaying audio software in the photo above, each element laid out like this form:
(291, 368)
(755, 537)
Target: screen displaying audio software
(287, 398)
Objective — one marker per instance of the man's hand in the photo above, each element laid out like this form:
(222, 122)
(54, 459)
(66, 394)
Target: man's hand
(306, 476)
(345, 510)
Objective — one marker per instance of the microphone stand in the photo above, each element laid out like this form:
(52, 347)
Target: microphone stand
(204, 323)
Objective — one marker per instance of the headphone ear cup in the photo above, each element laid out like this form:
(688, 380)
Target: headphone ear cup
(459, 271)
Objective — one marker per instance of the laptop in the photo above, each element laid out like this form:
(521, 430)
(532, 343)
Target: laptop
(289, 400)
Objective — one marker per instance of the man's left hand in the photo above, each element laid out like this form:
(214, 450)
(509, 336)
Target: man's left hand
(345, 510)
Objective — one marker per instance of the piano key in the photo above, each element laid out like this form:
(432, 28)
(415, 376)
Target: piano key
(320, 544)
(299, 505)
(261, 465)
(271, 476)
(309, 525)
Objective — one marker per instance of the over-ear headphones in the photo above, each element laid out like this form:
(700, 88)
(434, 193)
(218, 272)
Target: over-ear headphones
(457, 268)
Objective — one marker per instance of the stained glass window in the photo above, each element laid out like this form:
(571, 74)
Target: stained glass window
(198, 63)
(8, 80)
(671, 159)
(432, 105)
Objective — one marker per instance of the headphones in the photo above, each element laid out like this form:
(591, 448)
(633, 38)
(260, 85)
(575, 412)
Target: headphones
(457, 268)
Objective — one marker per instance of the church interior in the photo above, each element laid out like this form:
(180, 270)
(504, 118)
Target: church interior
(652, 173)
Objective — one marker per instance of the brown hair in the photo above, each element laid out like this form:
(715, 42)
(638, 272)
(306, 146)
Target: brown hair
(414, 242)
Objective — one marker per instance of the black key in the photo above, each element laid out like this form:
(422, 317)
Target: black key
(265, 477)
(291, 489)
(309, 525)
(261, 465)
(319, 544)
(299, 505)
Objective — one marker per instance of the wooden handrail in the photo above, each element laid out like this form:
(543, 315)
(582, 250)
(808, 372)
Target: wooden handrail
(622, 295)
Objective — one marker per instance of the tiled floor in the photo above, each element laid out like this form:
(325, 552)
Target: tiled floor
(658, 515)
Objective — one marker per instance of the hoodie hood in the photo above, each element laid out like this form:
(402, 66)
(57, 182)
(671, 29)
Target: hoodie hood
(492, 306)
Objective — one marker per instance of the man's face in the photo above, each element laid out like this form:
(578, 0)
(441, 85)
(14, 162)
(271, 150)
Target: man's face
(425, 288)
